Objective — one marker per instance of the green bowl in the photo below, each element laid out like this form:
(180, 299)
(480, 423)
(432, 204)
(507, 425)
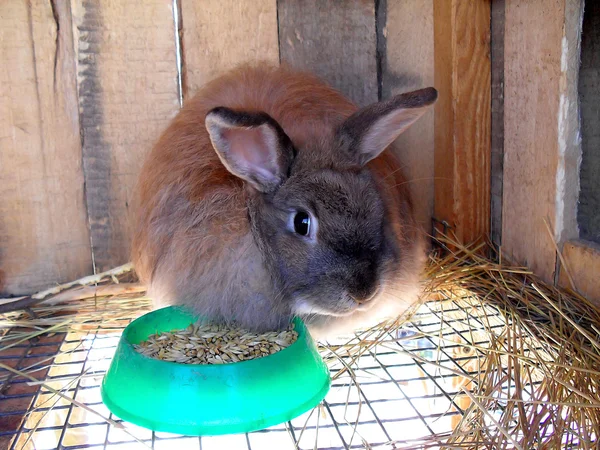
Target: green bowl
(196, 399)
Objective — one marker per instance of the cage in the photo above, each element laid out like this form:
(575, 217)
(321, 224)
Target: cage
(504, 349)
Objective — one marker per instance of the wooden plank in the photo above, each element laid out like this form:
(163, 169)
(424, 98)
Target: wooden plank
(406, 29)
(569, 130)
(540, 147)
(335, 40)
(128, 92)
(583, 262)
(462, 116)
(217, 35)
(588, 212)
(43, 226)
(497, 125)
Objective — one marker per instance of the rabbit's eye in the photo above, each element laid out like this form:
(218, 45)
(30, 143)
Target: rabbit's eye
(302, 223)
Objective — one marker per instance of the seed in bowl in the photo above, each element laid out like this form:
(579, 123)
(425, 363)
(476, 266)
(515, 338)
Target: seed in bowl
(214, 344)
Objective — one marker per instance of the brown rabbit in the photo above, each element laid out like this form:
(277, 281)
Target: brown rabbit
(272, 195)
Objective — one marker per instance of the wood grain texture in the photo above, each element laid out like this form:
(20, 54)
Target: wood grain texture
(336, 40)
(43, 227)
(462, 116)
(218, 35)
(583, 262)
(540, 149)
(128, 92)
(407, 64)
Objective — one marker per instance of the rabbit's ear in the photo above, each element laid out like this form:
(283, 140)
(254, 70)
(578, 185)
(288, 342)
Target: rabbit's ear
(368, 132)
(251, 146)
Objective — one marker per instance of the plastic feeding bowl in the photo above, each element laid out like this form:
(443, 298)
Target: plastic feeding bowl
(211, 399)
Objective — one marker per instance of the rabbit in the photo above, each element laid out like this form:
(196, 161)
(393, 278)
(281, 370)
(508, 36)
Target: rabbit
(271, 195)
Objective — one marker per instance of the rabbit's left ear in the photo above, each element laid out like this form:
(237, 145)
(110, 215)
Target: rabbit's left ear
(251, 146)
(369, 131)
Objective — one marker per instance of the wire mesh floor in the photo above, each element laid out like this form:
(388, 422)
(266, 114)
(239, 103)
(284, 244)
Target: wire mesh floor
(397, 388)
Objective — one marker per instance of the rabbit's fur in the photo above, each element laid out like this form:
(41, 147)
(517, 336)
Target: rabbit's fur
(220, 192)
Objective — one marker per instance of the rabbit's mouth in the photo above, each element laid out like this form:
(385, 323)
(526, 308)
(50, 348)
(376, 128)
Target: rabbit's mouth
(344, 305)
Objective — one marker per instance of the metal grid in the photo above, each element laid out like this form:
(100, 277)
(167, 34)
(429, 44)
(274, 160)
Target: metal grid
(399, 393)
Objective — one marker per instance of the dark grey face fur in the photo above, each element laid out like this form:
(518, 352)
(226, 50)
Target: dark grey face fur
(340, 266)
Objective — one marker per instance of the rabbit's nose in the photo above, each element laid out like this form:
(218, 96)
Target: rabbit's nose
(364, 297)
(364, 283)
(364, 292)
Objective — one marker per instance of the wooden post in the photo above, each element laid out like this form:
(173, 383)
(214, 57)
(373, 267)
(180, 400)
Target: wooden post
(541, 148)
(463, 116)
(128, 92)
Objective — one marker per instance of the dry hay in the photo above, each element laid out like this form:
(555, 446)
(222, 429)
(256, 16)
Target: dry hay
(538, 384)
(535, 383)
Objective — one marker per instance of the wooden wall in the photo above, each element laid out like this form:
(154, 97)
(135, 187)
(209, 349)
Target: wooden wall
(86, 87)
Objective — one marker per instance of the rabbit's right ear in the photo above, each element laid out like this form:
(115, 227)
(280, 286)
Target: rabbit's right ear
(368, 132)
(251, 146)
